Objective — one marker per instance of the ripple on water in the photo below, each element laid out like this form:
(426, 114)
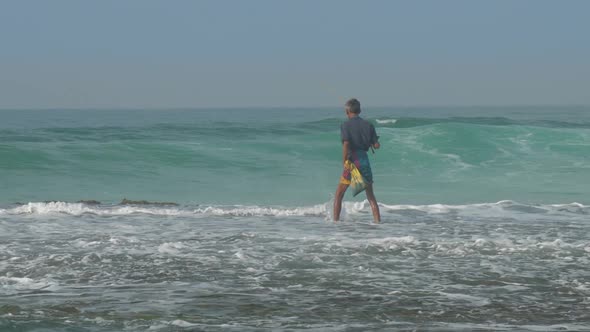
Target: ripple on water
(426, 270)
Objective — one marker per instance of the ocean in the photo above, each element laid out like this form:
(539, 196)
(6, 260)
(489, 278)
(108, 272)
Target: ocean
(220, 220)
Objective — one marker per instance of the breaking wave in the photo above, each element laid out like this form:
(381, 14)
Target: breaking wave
(501, 208)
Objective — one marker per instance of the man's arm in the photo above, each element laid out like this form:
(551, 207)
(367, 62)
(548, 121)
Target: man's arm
(345, 145)
(375, 138)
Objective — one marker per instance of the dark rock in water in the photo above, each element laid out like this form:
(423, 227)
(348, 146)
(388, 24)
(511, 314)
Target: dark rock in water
(126, 201)
(66, 309)
(89, 202)
(83, 201)
(10, 309)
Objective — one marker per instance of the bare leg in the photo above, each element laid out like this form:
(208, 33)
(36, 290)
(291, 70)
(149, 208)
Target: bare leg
(338, 200)
(373, 202)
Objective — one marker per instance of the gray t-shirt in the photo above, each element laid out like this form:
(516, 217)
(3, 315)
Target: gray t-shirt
(359, 132)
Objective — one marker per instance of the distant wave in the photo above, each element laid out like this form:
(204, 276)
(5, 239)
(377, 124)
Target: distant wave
(319, 210)
(42, 208)
(175, 132)
(408, 122)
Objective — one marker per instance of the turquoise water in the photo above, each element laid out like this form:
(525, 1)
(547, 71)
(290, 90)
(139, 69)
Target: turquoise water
(291, 157)
(485, 221)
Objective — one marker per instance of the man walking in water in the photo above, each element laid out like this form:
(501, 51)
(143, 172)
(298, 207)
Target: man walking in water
(358, 135)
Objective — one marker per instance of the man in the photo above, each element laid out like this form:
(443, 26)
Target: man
(358, 135)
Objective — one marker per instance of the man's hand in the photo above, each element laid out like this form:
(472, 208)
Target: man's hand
(376, 145)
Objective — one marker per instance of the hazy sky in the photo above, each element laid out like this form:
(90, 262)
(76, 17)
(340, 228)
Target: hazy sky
(141, 53)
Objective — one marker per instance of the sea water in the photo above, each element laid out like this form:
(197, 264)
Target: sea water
(219, 220)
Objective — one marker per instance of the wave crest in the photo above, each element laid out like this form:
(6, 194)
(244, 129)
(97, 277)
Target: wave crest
(501, 208)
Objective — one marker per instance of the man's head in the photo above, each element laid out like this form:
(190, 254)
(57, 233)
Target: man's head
(352, 107)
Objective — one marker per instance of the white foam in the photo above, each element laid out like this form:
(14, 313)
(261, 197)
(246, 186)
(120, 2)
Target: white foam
(474, 300)
(13, 285)
(85, 244)
(492, 208)
(386, 121)
(101, 321)
(319, 210)
(171, 248)
(76, 209)
(240, 255)
(182, 323)
(246, 211)
(355, 207)
(508, 327)
(458, 247)
(432, 208)
(92, 258)
(44, 208)
(574, 207)
(393, 243)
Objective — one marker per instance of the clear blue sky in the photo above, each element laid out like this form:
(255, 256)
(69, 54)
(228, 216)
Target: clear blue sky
(142, 53)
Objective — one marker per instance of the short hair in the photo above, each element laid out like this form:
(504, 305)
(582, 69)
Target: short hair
(353, 105)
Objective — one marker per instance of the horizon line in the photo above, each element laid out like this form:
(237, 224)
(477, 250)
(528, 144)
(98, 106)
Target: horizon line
(307, 107)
